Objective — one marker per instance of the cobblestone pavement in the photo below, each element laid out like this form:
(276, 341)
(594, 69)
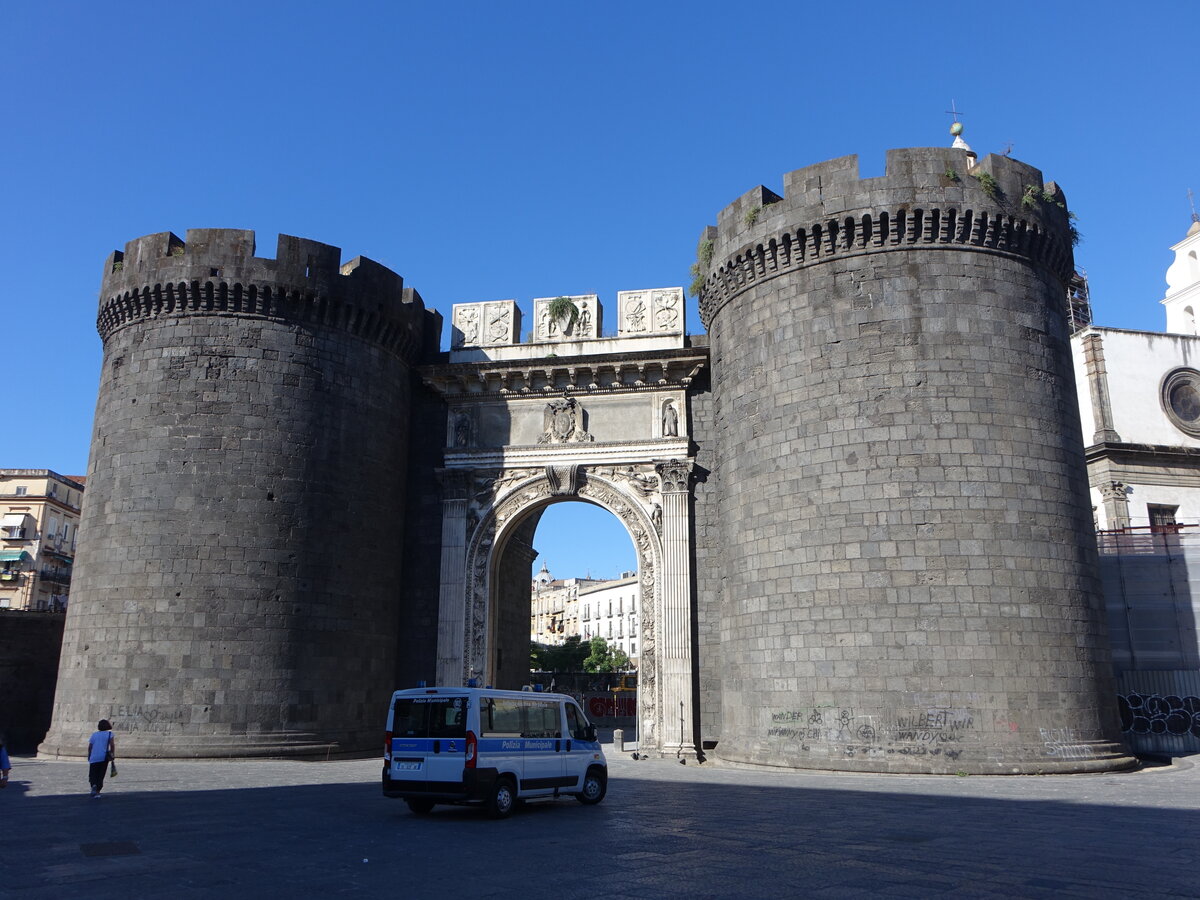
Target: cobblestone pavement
(269, 828)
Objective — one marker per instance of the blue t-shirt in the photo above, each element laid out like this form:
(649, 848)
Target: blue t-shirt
(98, 746)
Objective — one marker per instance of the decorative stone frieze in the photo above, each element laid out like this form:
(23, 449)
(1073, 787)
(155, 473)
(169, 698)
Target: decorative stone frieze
(656, 311)
(495, 322)
(584, 325)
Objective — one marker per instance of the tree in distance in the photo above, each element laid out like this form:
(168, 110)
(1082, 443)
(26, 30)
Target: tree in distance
(565, 657)
(604, 658)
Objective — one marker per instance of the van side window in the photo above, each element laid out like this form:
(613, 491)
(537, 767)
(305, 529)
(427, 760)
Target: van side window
(432, 717)
(575, 723)
(541, 720)
(500, 717)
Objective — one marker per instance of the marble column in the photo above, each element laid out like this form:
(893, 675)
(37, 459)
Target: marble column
(675, 655)
(452, 597)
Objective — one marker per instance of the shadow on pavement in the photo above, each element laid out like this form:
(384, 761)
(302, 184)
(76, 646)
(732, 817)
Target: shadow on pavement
(658, 831)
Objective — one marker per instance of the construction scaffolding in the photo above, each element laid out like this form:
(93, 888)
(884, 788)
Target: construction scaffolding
(1079, 303)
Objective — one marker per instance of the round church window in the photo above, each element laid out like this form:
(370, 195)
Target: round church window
(1181, 400)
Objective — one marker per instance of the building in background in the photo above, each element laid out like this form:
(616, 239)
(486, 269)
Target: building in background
(553, 615)
(610, 609)
(1139, 398)
(586, 608)
(39, 516)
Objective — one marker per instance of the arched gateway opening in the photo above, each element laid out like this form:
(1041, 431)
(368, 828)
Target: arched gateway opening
(581, 592)
(499, 552)
(584, 586)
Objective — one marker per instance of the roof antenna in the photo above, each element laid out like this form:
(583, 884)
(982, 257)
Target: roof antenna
(1195, 226)
(956, 129)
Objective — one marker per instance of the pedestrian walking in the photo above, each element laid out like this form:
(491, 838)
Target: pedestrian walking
(5, 765)
(102, 750)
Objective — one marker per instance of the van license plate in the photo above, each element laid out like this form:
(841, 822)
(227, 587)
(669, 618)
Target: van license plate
(408, 766)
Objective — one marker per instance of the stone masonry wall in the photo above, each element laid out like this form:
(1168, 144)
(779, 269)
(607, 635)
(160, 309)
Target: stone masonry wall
(909, 579)
(706, 558)
(237, 584)
(29, 648)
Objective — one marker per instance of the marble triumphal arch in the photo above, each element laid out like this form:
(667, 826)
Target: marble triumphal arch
(607, 421)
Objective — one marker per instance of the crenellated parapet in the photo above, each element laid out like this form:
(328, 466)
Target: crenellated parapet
(215, 272)
(928, 199)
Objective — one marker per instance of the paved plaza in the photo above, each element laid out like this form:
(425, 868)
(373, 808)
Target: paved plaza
(274, 828)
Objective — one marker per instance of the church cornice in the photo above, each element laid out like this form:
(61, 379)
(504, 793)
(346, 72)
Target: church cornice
(1143, 454)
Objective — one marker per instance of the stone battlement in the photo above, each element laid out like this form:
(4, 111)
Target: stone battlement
(215, 271)
(927, 198)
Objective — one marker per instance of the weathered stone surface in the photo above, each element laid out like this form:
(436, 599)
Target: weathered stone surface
(864, 539)
(237, 585)
(909, 579)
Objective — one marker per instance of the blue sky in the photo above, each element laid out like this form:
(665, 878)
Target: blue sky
(530, 149)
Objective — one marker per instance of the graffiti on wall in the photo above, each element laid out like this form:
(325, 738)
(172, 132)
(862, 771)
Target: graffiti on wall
(1063, 743)
(930, 732)
(1154, 714)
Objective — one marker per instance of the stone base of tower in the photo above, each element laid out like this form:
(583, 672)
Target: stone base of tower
(929, 751)
(72, 744)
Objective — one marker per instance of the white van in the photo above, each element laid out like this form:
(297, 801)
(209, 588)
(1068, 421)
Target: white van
(478, 745)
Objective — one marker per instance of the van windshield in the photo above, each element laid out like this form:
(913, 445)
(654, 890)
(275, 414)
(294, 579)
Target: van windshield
(430, 717)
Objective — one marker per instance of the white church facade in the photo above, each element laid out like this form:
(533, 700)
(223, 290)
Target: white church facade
(1139, 399)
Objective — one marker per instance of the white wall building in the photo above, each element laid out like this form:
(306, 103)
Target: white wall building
(1139, 400)
(611, 610)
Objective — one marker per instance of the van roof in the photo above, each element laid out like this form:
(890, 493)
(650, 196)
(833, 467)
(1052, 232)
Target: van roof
(477, 692)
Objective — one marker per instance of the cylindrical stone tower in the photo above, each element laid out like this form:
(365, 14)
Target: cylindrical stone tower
(908, 556)
(237, 581)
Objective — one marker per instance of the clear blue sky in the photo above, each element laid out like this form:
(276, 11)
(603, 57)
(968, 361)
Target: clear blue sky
(528, 149)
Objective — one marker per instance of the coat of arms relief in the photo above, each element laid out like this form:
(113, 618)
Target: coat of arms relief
(562, 422)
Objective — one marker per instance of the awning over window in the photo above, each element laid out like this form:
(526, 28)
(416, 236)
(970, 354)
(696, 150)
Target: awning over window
(14, 520)
(8, 556)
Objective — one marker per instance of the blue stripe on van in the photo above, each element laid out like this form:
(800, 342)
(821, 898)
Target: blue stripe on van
(495, 745)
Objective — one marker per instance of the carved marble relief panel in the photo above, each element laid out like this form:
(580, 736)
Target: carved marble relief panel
(655, 311)
(583, 325)
(485, 324)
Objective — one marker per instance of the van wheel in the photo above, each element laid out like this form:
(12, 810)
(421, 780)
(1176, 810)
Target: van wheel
(420, 805)
(502, 799)
(595, 786)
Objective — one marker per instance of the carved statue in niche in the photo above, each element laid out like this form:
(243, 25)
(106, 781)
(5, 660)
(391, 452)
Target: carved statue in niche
(468, 325)
(670, 420)
(635, 318)
(462, 429)
(562, 422)
(585, 320)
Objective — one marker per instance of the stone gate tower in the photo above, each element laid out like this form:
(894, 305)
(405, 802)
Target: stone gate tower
(235, 594)
(909, 577)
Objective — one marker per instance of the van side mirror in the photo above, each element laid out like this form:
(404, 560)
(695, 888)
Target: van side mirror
(589, 733)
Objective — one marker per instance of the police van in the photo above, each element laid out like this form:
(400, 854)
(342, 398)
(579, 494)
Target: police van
(478, 745)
